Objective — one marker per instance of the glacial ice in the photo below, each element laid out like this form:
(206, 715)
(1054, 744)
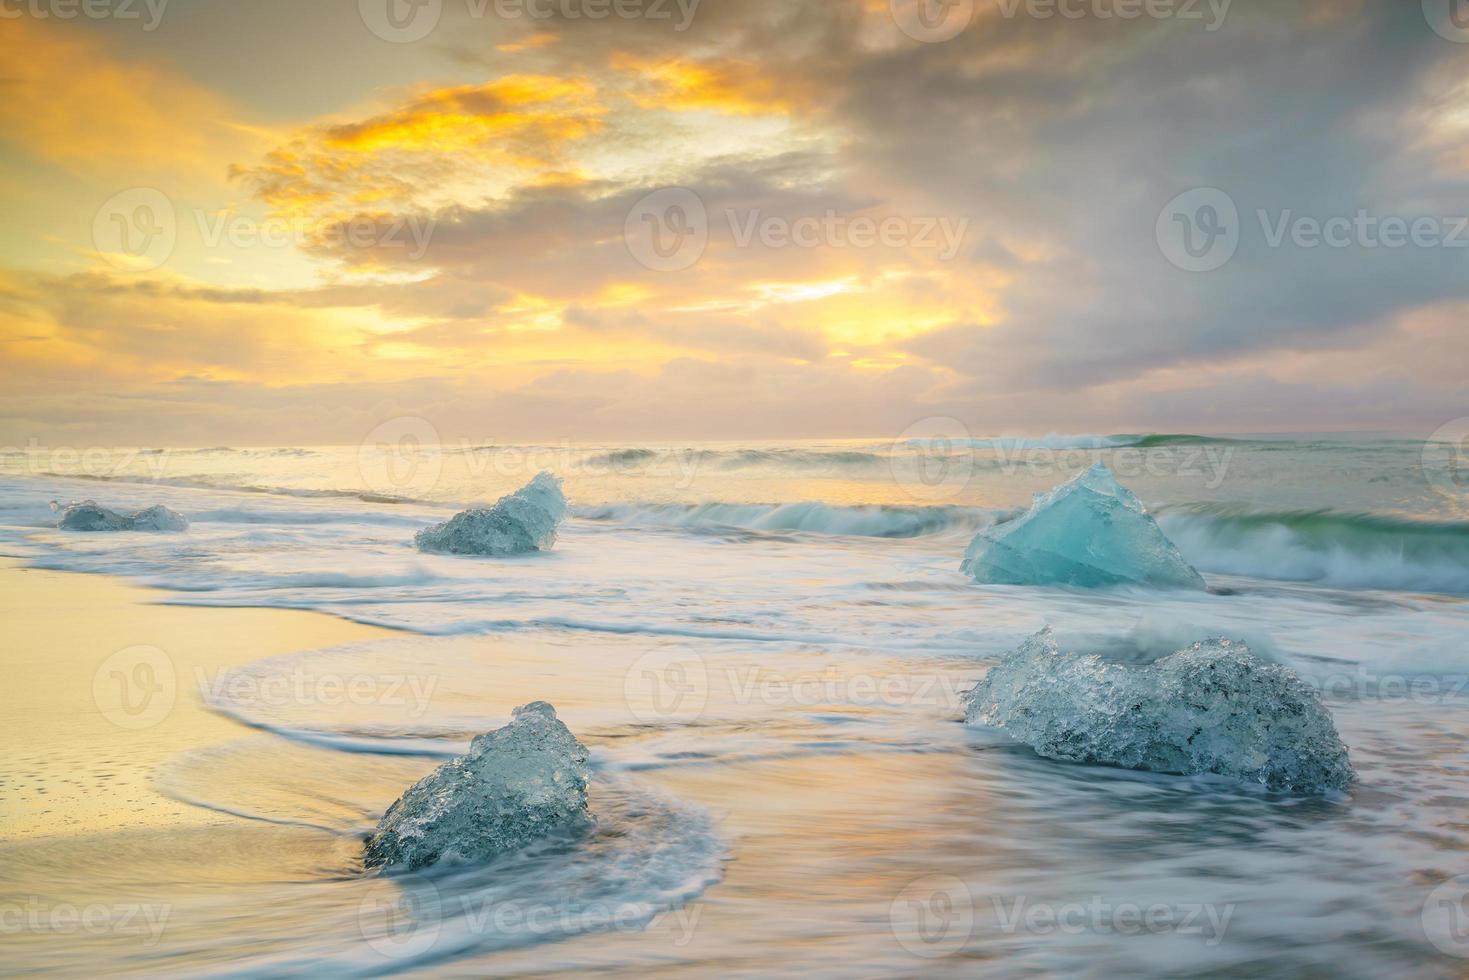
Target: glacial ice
(523, 521)
(1090, 531)
(1212, 707)
(517, 784)
(92, 516)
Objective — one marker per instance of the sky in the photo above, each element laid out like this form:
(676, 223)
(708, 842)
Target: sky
(261, 222)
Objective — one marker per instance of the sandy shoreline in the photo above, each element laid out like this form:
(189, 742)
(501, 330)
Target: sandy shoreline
(88, 746)
(842, 824)
(102, 688)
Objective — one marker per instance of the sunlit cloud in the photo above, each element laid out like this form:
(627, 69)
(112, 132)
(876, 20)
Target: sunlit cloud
(70, 99)
(1024, 161)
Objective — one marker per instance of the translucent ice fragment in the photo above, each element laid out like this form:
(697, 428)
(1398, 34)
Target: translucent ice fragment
(92, 516)
(523, 521)
(1212, 707)
(517, 784)
(1090, 531)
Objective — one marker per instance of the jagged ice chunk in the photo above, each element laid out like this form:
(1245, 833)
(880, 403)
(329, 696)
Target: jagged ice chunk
(1090, 531)
(1212, 707)
(517, 784)
(92, 516)
(521, 522)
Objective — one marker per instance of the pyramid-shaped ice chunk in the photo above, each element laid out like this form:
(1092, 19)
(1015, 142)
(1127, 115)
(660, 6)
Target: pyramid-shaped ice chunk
(517, 784)
(1090, 531)
(1213, 707)
(520, 522)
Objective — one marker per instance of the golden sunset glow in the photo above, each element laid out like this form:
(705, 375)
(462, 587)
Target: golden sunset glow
(734, 488)
(456, 212)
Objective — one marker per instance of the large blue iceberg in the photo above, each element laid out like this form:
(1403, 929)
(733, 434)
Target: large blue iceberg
(92, 516)
(521, 522)
(518, 784)
(1090, 531)
(1212, 707)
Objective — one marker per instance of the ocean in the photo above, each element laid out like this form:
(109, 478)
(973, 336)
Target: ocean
(764, 644)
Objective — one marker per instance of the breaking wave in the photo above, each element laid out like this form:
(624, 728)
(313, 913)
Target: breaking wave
(1066, 442)
(811, 516)
(1028, 442)
(1347, 550)
(230, 450)
(1172, 439)
(737, 458)
(879, 453)
(623, 457)
(791, 457)
(227, 483)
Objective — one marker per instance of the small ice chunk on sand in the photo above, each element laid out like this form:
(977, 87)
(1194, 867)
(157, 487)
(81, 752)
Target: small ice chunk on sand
(92, 516)
(517, 784)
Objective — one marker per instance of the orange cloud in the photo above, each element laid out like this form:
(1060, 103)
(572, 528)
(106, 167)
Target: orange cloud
(738, 88)
(536, 109)
(530, 43)
(70, 100)
(516, 125)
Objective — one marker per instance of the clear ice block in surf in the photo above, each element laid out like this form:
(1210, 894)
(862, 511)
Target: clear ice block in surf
(518, 784)
(1212, 707)
(518, 523)
(1090, 531)
(92, 516)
